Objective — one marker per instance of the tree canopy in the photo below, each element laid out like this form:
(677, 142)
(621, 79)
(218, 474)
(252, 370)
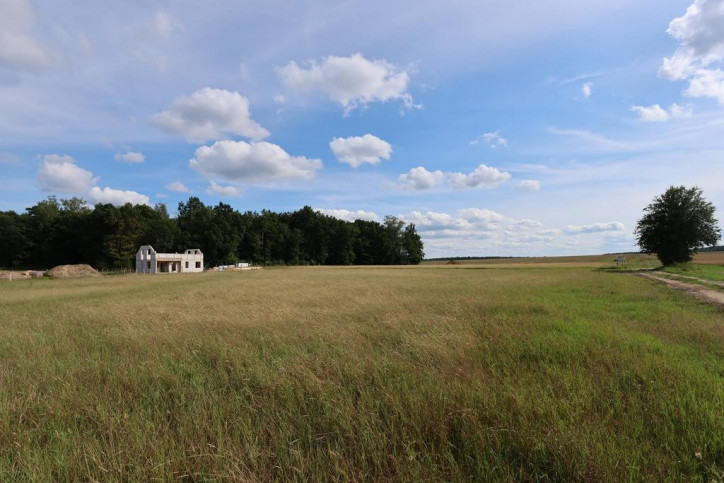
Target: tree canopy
(54, 232)
(676, 224)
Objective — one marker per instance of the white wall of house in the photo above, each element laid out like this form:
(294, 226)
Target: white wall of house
(149, 261)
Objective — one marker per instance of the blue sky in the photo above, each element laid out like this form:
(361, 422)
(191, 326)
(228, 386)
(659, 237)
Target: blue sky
(498, 128)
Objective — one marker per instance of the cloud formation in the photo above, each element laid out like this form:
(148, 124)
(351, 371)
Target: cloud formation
(209, 114)
(700, 54)
(130, 157)
(116, 197)
(656, 113)
(60, 174)
(352, 81)
(483, 176)
(586, 89)
(348, 215)
(528, 185)
(357, 150)
(254, 162)
(594, 228)
(17, 47)
(492, 139)
(178, 187)
(420, 178)
(228, 191)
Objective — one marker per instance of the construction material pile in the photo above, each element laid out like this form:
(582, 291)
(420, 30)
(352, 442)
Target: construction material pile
(72, 271)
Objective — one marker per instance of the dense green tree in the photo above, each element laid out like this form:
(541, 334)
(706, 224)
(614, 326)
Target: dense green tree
(56, 232)
(676, 224)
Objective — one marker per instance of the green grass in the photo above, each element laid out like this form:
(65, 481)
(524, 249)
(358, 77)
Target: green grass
(707, 272)
(360, 373)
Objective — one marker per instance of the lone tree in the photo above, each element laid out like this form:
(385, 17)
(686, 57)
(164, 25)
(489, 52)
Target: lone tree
(676, 224)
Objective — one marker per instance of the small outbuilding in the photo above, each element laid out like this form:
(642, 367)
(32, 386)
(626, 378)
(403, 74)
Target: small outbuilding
(149, 261)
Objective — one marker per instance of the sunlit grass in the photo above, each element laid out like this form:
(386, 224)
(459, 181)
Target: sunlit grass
(360, 373)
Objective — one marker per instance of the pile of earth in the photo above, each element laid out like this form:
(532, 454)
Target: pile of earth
(9, 275)
(72, 271)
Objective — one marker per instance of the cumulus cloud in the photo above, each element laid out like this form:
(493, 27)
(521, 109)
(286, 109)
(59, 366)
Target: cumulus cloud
(348, 215)
(116, 197)
(357, 150)
(700, 54)
(480, 215)
(483, 176)
(352, 81)
(178, 187)
(240, 161)
(492, 139)
(209, 114)
(216, 189)
(421, 179)
(528, 185)
(656, 113)
(130, 157)
(60, 174)
(17, 47)
(594, 228)
(586, 89)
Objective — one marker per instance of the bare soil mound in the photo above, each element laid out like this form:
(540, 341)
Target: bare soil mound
(16, 275)
(73, 271)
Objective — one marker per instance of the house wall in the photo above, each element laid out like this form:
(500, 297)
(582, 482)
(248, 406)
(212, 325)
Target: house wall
(149, 261)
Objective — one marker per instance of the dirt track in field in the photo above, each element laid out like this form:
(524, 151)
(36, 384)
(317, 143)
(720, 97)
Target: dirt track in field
(701, 292)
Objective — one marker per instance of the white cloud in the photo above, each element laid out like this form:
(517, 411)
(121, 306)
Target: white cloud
(700, 54)
(656, 113)
(352, 81)
(208, 114)
(130, 157)
(480, 215)
(678, 111)
(279, 99)
(652, 113)
(594, 228)
(483, 176)
(357, 150)
(230, 191)
(178, 187)
(420, 179)
(528, 185)
(60, 174)
(492, 139)
(348, 215)
(17, 47)
(252, 162)
(586, 89)
(116, 197)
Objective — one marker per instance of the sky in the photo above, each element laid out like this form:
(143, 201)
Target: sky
(498, 128)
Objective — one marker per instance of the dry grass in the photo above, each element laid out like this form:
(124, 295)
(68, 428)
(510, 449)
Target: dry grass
(360, 373)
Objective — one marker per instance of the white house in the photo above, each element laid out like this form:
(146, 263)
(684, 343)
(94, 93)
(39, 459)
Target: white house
(148, 261)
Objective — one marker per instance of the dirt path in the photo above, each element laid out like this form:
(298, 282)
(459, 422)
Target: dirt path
(699, 291)
(703, 280)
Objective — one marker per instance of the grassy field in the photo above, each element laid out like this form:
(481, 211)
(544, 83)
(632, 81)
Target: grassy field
(707, 272)
(433, 372)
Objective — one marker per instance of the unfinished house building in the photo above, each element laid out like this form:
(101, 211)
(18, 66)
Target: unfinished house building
(148, 261)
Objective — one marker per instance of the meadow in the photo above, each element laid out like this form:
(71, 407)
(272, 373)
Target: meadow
(553, 371)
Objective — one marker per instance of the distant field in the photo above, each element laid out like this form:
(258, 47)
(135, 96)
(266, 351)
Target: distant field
(635, 261)
(474, 371)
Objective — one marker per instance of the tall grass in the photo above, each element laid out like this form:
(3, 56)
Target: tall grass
(360, 373)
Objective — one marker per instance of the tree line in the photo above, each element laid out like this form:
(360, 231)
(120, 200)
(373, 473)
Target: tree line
(68, 231)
